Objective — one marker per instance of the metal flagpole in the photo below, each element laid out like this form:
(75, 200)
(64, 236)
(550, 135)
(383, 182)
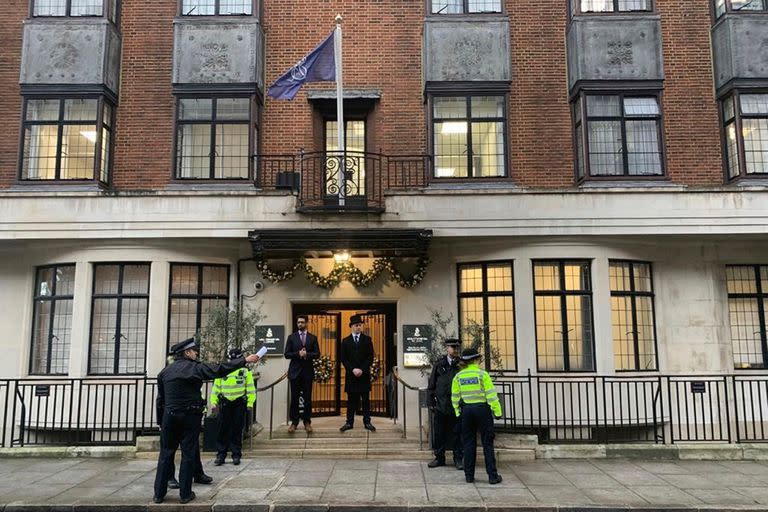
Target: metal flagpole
(341, 176)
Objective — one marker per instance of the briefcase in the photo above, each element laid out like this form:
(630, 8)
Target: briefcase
(210, 431)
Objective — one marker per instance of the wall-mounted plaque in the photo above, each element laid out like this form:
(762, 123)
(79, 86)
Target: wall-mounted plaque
(272, 337)
(417, 340)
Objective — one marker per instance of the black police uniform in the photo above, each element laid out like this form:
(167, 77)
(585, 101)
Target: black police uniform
(180, 405)
(445, 425)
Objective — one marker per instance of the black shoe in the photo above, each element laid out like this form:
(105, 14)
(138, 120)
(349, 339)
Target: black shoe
(346, 427)
(469, 479)
(186, 500)
(158, 499)
(370, 427)
(236, 461)
(173, 483)
(458, 465)
(203, 479)
(495, 479)
(219, 461)
(436, 463)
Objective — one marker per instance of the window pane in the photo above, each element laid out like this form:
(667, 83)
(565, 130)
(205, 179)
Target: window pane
(233, 109)
(215, 281)
(135, 279)
(447, 7)
(470, 279)
(546, 276)
(754, 103)
(501, 329)
(106, 142)
(106, 279)
(499, 277)
(107, 115)
(133, 335)
(451, 150)
(39, 155)
(184, 279)
(44, 286)
(43, 110)
(198, 7)
(194, 149)
(487, 106)
(741, 279)
(577, 276)
(641, 107)
(579, 314)
(40, 335)
(643, 277)
(603, 106)
(745, 332)
(747, 5)
(728, 110)
(634, 5)
(183, 318)
(78, 152)
(579, 152)
(65, 280)
(618, 275)
(86, 8)
(596, 5)
(643, 152)
(449, 108)
(764, 278)
(236, 7)
(605, 157)
(549, 333)
(80, 110)
(755, 145)
(103, 330)
(484, 5)
(623, 338)
(646, 339)
(471, 311)
(50, 8)
(719, 7)
(487, 149)
(232, 153)
(732, 149)
(60, 336)
(195, 109)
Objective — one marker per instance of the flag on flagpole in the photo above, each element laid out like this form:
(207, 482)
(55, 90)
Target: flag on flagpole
(317, 66)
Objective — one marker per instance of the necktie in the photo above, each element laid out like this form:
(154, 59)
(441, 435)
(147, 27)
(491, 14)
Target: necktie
(303, 338)
(356, 338)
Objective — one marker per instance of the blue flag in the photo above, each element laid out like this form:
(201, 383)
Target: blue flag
(317, 66)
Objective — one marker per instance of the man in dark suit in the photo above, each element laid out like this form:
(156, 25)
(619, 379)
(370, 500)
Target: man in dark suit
(357, 358)
(301, 348)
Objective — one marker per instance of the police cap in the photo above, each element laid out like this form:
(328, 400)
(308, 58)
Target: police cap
(468, 354)
(181, 346)
(235, 353)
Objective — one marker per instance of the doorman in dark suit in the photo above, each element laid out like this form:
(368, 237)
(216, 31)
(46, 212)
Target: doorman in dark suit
(357, 358)
(301, 348)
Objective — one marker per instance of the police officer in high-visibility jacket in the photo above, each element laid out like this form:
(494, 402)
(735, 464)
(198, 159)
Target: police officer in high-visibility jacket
(475, 402)
(234, 396)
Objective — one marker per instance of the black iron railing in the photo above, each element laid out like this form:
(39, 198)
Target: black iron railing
(577, 409)
(342, 180)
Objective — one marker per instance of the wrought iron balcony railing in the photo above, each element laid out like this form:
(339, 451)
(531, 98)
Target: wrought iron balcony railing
(341, 181)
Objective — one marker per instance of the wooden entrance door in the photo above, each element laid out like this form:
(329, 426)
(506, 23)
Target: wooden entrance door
(326, 395)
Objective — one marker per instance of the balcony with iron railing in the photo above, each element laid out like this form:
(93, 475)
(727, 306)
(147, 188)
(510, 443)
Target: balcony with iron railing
(341, 181)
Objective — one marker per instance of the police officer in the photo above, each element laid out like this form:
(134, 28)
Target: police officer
(475, 402)
(234, 396)
(180, 406)
(445, 426)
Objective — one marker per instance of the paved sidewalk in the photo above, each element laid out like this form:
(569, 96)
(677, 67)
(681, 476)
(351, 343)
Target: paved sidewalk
(316, 484)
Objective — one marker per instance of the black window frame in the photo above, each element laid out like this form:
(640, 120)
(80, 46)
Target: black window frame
(563, 294)
(633, 294)
(728, 9)
(469, 120)
(580, 122)
(760, 296)
(119, 296)
(254, 133)
(255, 10)
(110, 9)
(199, 296)
(464, 10)
(485, 294)
(99, 124)
(741, 157)
(54, 299)
(574, 9)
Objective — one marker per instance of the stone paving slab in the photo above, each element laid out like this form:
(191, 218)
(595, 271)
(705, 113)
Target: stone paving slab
(279, 485)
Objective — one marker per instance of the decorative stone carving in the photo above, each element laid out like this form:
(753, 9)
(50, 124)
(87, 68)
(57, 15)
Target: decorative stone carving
(619, 52)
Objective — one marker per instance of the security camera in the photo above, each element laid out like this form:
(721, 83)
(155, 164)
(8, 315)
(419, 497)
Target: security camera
(258, 286)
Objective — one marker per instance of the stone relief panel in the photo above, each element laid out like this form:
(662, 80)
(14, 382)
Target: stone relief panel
(466, 50)
(217, 53)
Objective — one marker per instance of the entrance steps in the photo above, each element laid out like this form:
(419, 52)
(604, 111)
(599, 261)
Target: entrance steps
(388, 442)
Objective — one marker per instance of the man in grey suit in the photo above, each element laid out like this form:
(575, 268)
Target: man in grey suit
(301, 348)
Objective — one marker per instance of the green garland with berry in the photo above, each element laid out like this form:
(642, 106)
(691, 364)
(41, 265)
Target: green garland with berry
(346, 270)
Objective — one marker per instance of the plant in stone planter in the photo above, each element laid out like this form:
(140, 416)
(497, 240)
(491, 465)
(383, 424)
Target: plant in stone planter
(226, 328)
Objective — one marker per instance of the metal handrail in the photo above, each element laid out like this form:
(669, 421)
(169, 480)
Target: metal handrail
(396, 375)
(271, 388)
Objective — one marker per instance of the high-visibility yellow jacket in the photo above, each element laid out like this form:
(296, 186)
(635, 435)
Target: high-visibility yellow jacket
(473, 385)
(235, 385)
